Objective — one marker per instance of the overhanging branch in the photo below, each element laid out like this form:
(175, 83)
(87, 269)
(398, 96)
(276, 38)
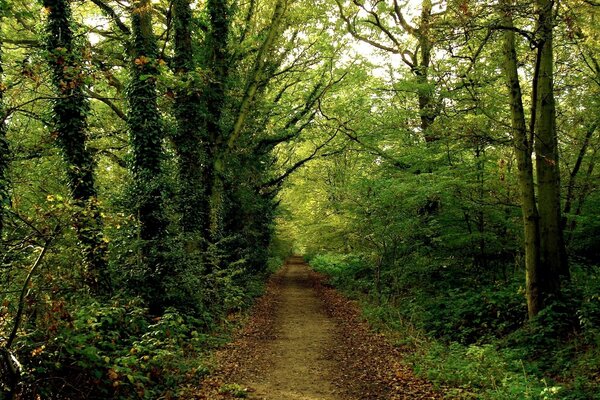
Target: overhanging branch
(277, 181)
(113, 15)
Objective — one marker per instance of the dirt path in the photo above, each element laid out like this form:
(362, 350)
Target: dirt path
(304, 341)
(299, 369)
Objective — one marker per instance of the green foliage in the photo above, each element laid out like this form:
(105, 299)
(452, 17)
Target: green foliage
(348, 272)
(235, 390)
(119, 351)
(431, 231)
(474, 339)
(482, 372)
(475, 315)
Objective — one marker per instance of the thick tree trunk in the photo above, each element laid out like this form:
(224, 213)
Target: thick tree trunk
(146, 135)
(70, 126)
(552, 251)
(425, 95)
(192, 202)
(523, 151)
(218, 63)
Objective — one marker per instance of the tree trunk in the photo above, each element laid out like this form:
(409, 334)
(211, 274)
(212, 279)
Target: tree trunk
(552, 251)
(146, 135)
(192, 202)
(217, 63)
(570, 196)
(523, 150)
(425, 95)
(70, 127)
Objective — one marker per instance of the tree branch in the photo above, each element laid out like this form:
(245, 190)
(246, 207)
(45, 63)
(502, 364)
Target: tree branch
(113, 15)
(360, 37)
(277, 181)
(107, 101)
(255, 77)
(353, 135)
(405, 25)
(25, 290)
(526, 34)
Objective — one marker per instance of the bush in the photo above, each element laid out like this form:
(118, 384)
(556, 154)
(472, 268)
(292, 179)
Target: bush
(349, 272)
(114, 351)
(482, 372)
(476, 315)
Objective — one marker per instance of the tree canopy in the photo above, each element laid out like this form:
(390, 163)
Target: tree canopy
(159, 158)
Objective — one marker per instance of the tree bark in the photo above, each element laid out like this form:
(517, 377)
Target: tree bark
(192, 202)
(552, 248)
(146, 136)
(523, 150)
(70, 128)
(425, 95)
(218, 64)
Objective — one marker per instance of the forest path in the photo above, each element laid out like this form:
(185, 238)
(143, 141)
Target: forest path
(298, 367)
(304, 341)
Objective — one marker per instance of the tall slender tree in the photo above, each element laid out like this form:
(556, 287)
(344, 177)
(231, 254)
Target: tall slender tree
(523, 151)
(70, 128)
(545, 254)
(552, 252)
(146, 136)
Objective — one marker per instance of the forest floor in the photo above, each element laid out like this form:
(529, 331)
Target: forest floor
(305, 341)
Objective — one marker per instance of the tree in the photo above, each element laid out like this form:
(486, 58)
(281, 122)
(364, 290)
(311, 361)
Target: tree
(190, 138)
(387, 35)
(70, 128)
(146, 135)
(523, 151)
(552, 247)
(217, 61)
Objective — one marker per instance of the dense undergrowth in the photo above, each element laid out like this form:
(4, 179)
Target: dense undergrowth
(80, 347)
(471, 335)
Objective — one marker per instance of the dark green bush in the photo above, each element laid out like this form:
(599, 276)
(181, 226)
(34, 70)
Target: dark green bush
(114, 350)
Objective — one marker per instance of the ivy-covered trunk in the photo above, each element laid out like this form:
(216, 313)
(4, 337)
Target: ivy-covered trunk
(70, 129)
(188, 140)
(523, 150)
(146, 136)
(425, 94)
(217, 60)
(552, 252)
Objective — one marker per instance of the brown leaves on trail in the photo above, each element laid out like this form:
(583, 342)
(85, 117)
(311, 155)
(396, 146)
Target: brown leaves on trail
(242, 355)
(368, 366)
(371, 366)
